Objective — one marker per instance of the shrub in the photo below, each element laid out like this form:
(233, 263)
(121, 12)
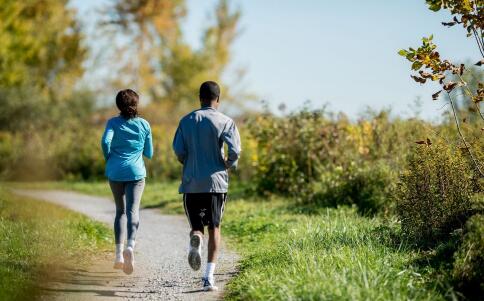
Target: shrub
(368, 186)
(434, 194)
(164, 164)
(323, 159)
(9, 144)
(78, 155)
(469, 259)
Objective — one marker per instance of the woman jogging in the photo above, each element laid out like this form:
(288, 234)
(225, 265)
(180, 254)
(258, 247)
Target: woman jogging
(126, 139)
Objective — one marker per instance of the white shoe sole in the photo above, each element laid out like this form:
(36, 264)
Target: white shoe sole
(118, 265)
(194, 256)
(210, 288)
(128, 266)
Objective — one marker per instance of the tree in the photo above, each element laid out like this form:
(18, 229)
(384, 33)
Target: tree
(167, 68)
(41, 44)
(41, 56)
(427, 62)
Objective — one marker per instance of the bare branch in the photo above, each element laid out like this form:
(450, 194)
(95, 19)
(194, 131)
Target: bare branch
(467, 146)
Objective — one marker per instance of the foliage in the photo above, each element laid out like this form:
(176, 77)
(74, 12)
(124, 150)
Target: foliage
(322, 159)
(434, 195)
(168, 69)
(368, 186)
(427, 61)
(472, 76)
(469, 259)
(41, 44)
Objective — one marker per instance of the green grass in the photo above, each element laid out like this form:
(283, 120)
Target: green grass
(334, 255)
(37, 239)
(291, 253)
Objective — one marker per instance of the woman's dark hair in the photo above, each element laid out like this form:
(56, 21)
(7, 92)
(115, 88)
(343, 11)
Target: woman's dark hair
(127, 103)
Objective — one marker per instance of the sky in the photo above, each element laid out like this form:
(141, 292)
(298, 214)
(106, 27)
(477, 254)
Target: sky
(339, 53)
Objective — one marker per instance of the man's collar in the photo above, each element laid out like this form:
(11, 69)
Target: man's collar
(208, 108)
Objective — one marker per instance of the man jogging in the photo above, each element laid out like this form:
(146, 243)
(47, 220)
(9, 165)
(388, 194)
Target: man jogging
(198, 144)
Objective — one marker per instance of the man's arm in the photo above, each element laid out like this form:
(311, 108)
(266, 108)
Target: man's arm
(106, 140)
(179, 146)
(231, 137)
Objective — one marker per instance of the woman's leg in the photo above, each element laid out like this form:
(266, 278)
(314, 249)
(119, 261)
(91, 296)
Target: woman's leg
(118, 189)
(134, 191)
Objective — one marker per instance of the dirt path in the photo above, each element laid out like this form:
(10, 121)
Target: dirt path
(161, 271)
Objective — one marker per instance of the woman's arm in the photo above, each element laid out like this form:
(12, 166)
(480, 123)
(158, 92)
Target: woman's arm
(148, 147)
(106, 140)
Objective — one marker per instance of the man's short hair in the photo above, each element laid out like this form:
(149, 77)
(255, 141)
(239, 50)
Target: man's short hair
(209, 91)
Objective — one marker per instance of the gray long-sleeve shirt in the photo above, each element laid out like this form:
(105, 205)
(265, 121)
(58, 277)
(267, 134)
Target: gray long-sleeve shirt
(198, 144)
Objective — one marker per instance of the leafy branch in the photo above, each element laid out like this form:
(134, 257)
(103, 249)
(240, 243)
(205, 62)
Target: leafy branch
(428, 65)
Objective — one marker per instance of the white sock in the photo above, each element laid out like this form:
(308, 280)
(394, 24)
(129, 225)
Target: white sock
(209, 271)
(131, 243)
(119, 250)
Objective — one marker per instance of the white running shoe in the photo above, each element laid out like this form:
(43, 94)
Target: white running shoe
(209, 285)
(194, 254)
(128, 265)
(118, 263)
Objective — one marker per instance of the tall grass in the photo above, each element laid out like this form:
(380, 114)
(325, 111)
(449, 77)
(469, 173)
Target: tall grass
(333, 255)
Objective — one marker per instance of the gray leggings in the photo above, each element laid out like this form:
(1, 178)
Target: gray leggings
(127, 196)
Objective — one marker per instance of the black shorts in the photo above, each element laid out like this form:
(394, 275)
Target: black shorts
(204, 209)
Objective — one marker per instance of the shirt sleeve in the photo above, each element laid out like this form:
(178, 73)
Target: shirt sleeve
(231, 137)
(106, 140)
(148, 147)
(179, 145)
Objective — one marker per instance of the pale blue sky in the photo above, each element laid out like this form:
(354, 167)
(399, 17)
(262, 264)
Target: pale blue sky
(339, 52)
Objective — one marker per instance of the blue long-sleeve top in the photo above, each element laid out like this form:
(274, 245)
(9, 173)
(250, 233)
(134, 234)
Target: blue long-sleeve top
(198, 145)
(124, 143)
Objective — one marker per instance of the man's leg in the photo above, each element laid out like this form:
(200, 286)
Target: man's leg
(213, 244)
(213, 247)
(192, 205)
(218, 204)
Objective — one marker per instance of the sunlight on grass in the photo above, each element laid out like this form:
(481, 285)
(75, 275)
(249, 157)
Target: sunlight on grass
(335, 255)
(37, 239)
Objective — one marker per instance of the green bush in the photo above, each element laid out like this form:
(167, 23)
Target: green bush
(469, 259)
(368, 186)
(78, 155)
(8, 153)
(321, 159)
(434, 194)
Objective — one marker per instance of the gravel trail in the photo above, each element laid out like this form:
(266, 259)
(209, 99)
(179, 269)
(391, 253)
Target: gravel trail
(161, 268)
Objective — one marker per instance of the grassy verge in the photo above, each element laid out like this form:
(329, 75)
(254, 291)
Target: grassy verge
(37, 239)
(289, 254)
(333, 255)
